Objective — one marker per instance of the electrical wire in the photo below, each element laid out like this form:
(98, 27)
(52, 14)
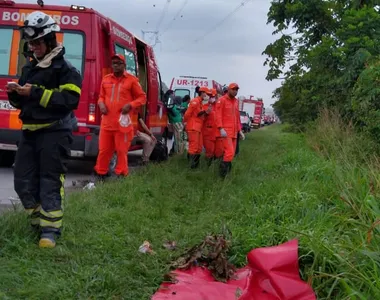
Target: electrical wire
(164, 11)
(161, 18)
(175, 17)
(217, 25)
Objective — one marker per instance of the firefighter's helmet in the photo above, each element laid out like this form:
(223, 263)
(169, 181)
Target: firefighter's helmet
(38, 25)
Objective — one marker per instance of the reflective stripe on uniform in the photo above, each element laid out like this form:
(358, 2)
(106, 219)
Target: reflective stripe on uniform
(53, 224)
(34, 214)
(54, 218)
(51, 218)
(64, 87)
(46, 98)
(34, 127)
(70, 87)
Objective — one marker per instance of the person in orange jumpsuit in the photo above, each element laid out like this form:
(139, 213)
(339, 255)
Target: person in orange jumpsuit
(212, 144)
(228, 123)
(120, 93)
(194, 118)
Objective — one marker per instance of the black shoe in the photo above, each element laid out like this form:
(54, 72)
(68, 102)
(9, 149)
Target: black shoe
(225, 168)
(194, 160)
(209, 161)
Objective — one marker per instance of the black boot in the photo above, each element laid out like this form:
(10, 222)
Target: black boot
(225, 168)
(194, 161)
(209, 161)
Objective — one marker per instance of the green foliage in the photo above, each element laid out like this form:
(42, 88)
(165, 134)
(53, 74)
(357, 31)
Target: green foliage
(334, 60)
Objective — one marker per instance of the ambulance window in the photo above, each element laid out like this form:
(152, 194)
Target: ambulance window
(129, 58)
(5, 50)
(73, 43)
(181, 92)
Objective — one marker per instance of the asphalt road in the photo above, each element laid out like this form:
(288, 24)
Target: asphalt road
(78, 170)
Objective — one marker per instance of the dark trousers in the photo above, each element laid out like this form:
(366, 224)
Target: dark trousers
(237, 145)
(39, 174)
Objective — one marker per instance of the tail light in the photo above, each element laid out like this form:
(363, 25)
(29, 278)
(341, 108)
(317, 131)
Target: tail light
(92, 113)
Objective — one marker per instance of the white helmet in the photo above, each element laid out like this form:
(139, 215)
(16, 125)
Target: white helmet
(38, 25)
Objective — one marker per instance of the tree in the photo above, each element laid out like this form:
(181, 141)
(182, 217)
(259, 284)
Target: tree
(333, 46)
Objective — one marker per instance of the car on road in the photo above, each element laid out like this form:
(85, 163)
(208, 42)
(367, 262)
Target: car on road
(245, 121)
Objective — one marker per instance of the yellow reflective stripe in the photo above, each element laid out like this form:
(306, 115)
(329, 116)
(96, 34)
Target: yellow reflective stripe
(70, 87)
(46, 98)
(33, 127)
(29, 211)
(52, 214)
(62, 190)
(56, 224)
(35, 221)
(40, 86)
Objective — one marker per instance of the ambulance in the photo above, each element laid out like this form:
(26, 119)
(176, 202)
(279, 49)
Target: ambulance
(90, 40)
(186, 85)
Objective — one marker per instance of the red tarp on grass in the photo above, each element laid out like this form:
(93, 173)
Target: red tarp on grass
(271, 274)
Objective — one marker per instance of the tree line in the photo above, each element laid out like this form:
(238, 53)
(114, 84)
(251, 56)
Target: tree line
(328, 55)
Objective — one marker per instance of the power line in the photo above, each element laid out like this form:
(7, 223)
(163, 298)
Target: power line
(161, 18)
(216, 26)
(164, 11)
(175, 17)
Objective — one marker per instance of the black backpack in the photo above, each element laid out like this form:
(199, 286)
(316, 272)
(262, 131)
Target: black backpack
(160, 152)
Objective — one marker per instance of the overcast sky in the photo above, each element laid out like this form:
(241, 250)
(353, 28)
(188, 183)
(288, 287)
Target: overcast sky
(231, 53)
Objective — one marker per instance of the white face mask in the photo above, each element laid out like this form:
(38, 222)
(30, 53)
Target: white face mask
(205, 99)
(212, 99)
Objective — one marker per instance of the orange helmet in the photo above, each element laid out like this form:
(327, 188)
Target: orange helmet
(213, 92)
(204, 89)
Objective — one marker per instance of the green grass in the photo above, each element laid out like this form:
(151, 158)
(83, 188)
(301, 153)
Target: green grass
(280, 189)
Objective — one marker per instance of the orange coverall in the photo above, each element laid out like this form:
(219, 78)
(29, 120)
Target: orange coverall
(115, 93)
(228, 118)
(194, 125)
(211, 136)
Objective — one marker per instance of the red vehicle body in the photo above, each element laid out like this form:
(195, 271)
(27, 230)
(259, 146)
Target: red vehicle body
(89, 39)
(255, 109)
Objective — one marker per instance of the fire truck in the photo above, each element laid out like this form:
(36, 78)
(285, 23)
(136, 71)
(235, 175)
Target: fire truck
(90, 39)
(186, 85)
(255, 108)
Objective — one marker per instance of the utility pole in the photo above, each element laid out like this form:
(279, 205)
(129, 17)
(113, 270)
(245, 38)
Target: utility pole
(153, 32)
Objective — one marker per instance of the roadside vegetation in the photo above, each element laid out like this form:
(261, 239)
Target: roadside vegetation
(280, 189)
(332, 55)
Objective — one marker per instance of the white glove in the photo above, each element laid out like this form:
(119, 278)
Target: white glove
(242, 136)
(223, 133)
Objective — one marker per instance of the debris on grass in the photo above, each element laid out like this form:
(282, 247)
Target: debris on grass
(170, 245)
(146, 247)
(210, 253)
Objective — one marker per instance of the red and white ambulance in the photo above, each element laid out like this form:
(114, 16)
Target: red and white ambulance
(185, 85)
(90, 39)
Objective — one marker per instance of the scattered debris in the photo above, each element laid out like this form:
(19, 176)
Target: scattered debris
(89, 186)
(146, 247)
(238, 293)
(211, 253)
(81, 183)
(170, 245)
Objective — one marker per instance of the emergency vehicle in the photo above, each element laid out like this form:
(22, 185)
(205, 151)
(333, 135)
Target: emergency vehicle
(254, 108)
(90, 39)
(185, 85)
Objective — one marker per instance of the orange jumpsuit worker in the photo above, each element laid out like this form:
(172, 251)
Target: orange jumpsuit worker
(120, 92)
(194, 118)
(228, 123)
(210, 132)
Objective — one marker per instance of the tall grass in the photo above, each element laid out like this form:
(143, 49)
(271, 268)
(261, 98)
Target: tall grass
(280, 189)
(357, 207)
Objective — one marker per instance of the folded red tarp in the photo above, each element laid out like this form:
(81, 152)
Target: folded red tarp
(271, 274)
